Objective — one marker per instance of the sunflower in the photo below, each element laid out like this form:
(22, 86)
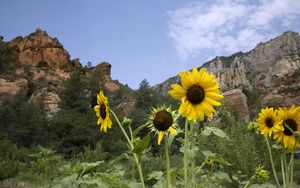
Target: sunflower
(102, 112)
(198, 93)
(268, 122)
(161, 120)
(290, 123)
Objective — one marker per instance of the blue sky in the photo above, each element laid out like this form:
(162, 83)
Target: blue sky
(151, 39)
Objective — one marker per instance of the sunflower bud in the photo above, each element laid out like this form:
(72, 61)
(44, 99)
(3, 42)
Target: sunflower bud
(261, 175)
(126, 121)
(252, 126)
(209, 162)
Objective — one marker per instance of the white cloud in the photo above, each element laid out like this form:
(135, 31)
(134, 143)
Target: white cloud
(229, 26)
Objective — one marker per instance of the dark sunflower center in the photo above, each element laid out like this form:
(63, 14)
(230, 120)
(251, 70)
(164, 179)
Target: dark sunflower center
(102, 111)
(162, 120)
(292, 125)
(195, 94)
(269, 122)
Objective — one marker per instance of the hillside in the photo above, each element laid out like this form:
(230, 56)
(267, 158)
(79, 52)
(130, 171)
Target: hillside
(268, 75)
(38, 66)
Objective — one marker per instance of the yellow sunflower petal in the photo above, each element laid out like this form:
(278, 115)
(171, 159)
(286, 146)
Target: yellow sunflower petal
(212, 102)
(214, 95)
(196, 75)
(160, 137)
(185, 81)
(99, 121)
(173, 131)
(178, 92)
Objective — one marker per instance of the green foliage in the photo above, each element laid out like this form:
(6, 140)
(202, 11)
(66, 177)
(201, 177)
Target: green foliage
(253, 101)
(42, 167)
(144, 96)
(72, 131)
(141, 145)
(124, 93)
(73, 96)
(95, 83)
(22, 122)
(8, 59)
(244, 150)
(10, 159)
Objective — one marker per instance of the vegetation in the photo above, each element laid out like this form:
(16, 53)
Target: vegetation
(68, 150)
(8, 59)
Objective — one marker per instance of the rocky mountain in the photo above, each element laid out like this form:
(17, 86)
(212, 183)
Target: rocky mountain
(43, 65)
(268, 75)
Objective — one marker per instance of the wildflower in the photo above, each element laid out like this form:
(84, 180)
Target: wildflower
(261, 175)
(102, 112)
(268, 122)
(126, 121)
(209, 162)
(198, 93)
(161, 120)
(252, 126)
(290, 123)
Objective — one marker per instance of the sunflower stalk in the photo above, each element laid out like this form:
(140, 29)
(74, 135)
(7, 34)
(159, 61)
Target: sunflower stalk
(185, 162)
(272, 163)
(130, 143)
(291, 165)
(286, 169)
(168, 162)
(283, 170)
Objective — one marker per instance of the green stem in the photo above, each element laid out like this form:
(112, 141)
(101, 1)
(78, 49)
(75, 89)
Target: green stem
(200, 167)
(139, 169)
(168, 162)
(272, 163)
(292, 165)
(249, 182)
(131, 138)
(131, 148)
(282, 171)
(122, 129)
(286, 170)
(193, 161)
(185, 162)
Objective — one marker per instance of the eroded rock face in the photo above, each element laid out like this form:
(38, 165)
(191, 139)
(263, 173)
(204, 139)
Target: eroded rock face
(110, 84)
(238, 100)
(40, 50)
(125, 107)
(10, 88)
(273, 68)
(49, 99)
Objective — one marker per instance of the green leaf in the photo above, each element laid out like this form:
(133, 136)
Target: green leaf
(208, 154)
(157, 175)
(141, 145)
(91, 165)
(276, 146)
(234, 177)
(68, 181)
(222, 176)
(170, 140)
(120, 157)
(137, 130)
(214, 130)
(265, 185)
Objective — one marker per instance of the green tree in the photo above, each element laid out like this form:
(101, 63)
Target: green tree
(8, 59)
(73, 96)
(144, 95)
(22, 122)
